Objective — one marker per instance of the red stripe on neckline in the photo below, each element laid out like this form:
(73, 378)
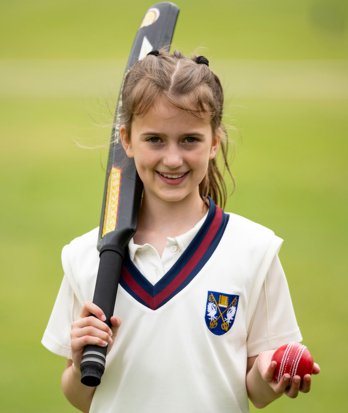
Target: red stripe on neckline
(156, 300)
(194, 260)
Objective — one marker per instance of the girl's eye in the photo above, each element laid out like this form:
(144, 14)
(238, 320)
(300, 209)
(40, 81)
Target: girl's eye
(190, 140)
(154, 139)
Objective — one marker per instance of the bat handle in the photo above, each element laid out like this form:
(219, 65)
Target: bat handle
(94, 357)
(92, 365)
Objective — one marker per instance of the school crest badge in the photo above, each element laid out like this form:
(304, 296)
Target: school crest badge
(220, 312)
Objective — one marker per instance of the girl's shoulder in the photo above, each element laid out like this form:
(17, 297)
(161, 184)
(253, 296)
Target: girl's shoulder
(82, 250)
(80, 261)
(250, 232)
(238, 230)
(86, 240)
(246, 224)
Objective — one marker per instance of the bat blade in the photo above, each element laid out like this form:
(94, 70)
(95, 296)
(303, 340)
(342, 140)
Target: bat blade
(122, 193)
(122, 190)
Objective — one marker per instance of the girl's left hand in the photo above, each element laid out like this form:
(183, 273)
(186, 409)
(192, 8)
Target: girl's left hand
(286, 385)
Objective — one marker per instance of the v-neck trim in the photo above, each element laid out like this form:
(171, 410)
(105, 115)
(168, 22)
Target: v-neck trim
(180, 241)
(183, 271)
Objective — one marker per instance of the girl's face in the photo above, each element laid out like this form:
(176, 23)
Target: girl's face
(171, 150)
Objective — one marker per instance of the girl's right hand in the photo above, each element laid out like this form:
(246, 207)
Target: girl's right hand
(91, 329)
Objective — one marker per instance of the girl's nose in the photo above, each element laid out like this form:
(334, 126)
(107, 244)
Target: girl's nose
(172, 157)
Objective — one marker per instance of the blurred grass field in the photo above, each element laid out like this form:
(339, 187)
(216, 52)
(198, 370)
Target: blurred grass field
(284, 66)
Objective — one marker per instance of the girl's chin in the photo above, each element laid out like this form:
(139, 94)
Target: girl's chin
(172, 195)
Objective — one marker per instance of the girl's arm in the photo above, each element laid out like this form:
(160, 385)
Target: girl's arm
(77, 393)
(261, 388)
(91, 329)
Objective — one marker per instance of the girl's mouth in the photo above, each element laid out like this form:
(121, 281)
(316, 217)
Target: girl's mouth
(172, 178)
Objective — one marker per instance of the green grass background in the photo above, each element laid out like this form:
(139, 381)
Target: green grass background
(284, 67)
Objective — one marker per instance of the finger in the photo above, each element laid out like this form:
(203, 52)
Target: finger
(269, 374)
(90, 322)
(115, 323)
(306, 384)
(93, 332)
(294, 389)
(316, 368)
(78, 344)
(92, 309)
(89, 332)
(283, 385)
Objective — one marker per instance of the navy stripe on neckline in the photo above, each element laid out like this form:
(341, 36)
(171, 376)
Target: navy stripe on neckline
(183, 271)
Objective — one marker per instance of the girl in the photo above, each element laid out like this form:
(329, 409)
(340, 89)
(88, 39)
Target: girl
(203, 298)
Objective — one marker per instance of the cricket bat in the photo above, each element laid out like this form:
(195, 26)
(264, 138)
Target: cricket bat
(122, 191)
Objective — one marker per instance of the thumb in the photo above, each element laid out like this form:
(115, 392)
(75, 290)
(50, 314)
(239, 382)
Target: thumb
(316, 368)
(115, 323)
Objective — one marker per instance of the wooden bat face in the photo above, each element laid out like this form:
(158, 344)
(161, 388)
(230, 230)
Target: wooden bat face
(123, 188)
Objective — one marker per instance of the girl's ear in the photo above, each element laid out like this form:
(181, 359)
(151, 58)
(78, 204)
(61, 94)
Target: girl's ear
(126, 142)
(216, 143)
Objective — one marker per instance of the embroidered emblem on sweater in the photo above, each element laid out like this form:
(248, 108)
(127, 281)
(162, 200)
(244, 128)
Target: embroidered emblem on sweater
(220, 312)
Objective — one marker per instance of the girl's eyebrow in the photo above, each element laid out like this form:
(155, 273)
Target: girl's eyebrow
(151, 133)
(192, 133)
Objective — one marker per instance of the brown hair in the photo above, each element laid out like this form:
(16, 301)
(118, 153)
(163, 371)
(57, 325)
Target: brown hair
(190, 85)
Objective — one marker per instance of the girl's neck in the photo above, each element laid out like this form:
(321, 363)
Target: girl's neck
(159, 220)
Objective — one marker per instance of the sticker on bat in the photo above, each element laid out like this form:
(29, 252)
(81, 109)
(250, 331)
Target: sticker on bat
(150, 17)
(112, 200)
(146, 48)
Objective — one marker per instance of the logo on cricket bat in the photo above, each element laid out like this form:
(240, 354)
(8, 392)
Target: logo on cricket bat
(112, 201)
(220, 312)
(150, 17)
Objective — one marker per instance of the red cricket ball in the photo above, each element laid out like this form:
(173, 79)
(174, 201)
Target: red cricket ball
(293, 359)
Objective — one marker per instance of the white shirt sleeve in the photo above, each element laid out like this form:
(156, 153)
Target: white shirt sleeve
(66, 309)
(80, 260)
(274, 322)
